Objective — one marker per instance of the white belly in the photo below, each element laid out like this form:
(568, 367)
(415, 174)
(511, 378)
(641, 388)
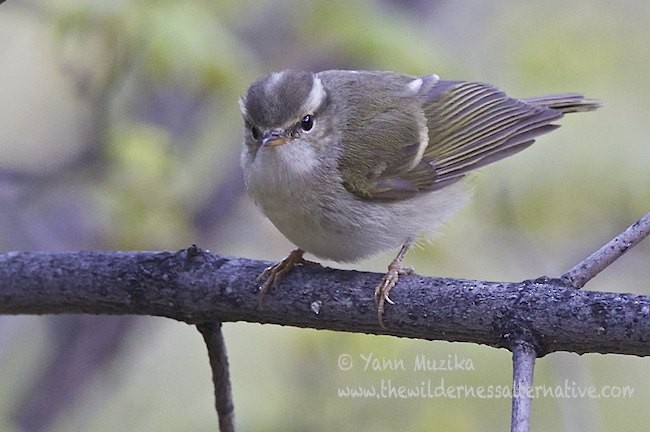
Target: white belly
(309, 205)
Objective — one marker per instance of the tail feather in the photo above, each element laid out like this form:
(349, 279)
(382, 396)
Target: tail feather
(566, 102)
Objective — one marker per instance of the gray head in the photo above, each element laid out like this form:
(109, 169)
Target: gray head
(282, 105)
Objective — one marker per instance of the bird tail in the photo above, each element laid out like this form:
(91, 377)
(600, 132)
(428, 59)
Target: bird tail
(566, 102)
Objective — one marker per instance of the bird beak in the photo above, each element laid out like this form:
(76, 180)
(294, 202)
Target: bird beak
(274, 138)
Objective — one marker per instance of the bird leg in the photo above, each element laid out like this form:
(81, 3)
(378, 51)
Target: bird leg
(395, 269)
(274, 273)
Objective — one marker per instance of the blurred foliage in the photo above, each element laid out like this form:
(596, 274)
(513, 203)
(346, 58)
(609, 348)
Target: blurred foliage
(119, 129)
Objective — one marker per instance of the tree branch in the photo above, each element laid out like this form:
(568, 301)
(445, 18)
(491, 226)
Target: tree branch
(197, 287)
(582, 273)
(213, 337)
(530, 318)
(523, 364)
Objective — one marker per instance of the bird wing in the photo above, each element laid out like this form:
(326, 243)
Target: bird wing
(466, 125)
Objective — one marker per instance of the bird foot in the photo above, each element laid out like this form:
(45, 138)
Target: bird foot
(276, 272)
(395, 270)
(387, 283)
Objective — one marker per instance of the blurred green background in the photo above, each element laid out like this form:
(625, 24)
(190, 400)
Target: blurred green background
(119, 129)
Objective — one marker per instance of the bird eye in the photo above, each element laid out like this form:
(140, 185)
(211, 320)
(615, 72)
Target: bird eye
(307, 122)
(255, 132)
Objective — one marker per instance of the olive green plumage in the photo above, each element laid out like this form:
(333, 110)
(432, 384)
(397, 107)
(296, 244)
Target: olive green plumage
(468, 125)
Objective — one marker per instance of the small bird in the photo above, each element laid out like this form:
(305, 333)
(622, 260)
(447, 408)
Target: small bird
(347, 164)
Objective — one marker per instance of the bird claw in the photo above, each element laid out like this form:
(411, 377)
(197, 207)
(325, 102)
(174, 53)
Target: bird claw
(395, 269)
(277, 271)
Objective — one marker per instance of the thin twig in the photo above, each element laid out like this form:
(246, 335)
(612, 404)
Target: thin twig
(583, 272)
(523, 364)
(213, 338)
